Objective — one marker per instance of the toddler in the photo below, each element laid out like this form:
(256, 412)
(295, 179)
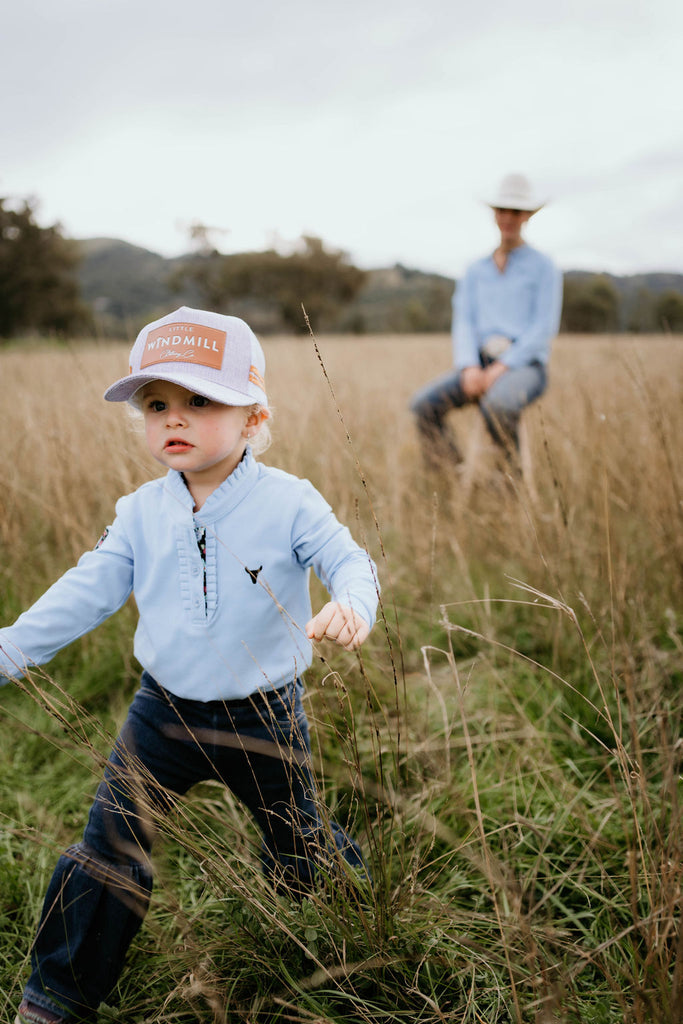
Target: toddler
(217, 553)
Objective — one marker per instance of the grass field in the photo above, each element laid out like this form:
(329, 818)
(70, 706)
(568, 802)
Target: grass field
(507, 747)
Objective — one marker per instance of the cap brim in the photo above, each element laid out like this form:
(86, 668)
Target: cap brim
(123, 390)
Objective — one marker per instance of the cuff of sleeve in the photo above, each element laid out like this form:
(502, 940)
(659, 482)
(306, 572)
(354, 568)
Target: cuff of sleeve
(13, 663)
(362, 609)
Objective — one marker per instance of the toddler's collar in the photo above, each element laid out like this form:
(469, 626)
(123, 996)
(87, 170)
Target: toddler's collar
(231, 491)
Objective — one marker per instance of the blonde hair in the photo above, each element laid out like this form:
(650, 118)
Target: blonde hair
(261, 441)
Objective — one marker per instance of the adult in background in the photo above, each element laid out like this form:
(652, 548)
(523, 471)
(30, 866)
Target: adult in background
(506, 312)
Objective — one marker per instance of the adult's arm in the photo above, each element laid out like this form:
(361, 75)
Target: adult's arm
(533, 343)
(463, 325)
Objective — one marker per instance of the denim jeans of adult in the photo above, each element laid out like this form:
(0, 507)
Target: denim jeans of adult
(501, 407)
(100, 890)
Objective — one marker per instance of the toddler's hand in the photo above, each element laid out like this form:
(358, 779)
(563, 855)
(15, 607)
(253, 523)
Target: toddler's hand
(337, 622)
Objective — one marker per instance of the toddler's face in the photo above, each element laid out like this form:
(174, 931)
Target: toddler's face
(200, 438)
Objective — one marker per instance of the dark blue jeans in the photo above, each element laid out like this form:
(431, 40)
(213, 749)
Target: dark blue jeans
(258, 747)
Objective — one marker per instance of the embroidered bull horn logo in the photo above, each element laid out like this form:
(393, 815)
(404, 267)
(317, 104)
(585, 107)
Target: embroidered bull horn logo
(253, 573)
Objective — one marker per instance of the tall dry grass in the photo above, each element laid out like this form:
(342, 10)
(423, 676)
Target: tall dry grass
(604, 443)
(508, 746)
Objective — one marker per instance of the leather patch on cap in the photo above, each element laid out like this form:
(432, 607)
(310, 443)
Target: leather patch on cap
(184, 343)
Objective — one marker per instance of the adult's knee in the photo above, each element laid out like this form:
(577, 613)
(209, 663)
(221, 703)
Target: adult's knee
(425, 410)
(515, 390)
(432, 403)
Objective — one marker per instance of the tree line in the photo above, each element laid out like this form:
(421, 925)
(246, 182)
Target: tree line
(592, 304)
(39, 289)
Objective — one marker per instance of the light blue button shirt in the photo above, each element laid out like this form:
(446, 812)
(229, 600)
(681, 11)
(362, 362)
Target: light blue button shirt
(523, 303)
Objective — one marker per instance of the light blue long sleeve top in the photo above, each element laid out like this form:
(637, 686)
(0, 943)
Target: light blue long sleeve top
(523, 303)
(219, 629)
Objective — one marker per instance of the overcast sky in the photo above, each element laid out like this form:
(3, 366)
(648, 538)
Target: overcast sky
(379, 126)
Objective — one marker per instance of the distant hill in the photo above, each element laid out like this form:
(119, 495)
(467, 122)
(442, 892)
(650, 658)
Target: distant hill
(122, 281)
(126, 285)
(630, 284)
(399, 299)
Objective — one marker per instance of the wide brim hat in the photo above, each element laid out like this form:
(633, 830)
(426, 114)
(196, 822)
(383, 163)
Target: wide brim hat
(515, 192)
(210, 354)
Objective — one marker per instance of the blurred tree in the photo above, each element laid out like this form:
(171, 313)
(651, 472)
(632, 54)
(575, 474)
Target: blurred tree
(320, 279)
(669, 311)
(639, 314)
(202, 236)
(590, 306)
(38, 285)
(416, 316)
